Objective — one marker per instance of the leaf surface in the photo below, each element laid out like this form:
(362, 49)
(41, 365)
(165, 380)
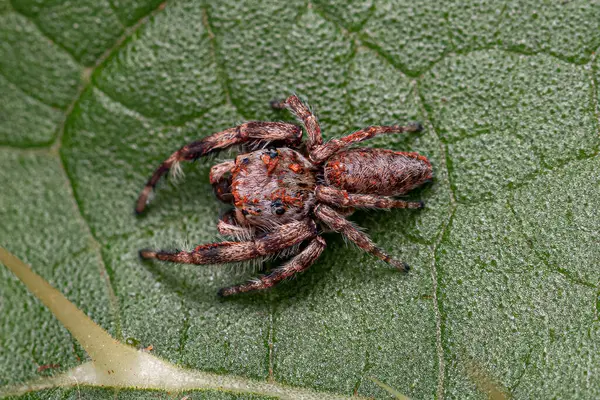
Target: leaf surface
(95, 94)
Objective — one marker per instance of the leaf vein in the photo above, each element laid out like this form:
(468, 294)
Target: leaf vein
(95, 244)
(46, 34)
(27, 93)
(116, 14)
(529, 179)
(435, 278)
(222, 76)
(437, 306)
(593, 68)
(519, 378)
(77, 203)
(530, 242)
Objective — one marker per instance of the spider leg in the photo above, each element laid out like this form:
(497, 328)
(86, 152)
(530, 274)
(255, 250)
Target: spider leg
(226, 252)
(220, 182)
(303, 113)
(248, 132)
(345, 211)
(324, 151)
(339, 224)
(341, 198)
(218, 171)
(299, 263)
(228, 226)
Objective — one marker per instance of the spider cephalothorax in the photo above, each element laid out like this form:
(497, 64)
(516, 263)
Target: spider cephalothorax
(272, 187)
(285, 193)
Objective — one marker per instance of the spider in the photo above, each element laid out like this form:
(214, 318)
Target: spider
(286, 193)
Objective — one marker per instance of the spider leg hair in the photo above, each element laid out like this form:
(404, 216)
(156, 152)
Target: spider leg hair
(323, 152)
(339, 224)
(341, 198)
(220, 182)
(228, 226)
(218, 171)
(248, 132)
(227, 252)
(305, 115)
(299, 263)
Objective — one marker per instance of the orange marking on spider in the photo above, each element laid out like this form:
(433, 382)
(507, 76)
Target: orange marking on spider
(295, 167)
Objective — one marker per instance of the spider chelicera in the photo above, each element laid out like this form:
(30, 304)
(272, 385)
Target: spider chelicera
(285, 194)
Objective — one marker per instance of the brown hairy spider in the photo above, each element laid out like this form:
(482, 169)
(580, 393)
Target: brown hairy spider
(285, 194)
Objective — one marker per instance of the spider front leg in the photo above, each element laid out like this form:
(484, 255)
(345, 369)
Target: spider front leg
(228, 226)
(220, 182)
(226, 252)
(339, 224)
(341, 198)
(299, 263)
(303, 113)
(262, 132)
(323, 152)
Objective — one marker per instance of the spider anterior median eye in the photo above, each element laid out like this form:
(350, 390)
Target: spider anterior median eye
(278, 207)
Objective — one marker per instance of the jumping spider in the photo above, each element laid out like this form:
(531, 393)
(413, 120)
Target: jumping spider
(286, 194)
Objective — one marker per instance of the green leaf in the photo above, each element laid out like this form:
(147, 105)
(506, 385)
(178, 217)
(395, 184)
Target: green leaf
(505, 255)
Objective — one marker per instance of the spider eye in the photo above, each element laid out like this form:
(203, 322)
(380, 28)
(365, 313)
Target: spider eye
(278, 207)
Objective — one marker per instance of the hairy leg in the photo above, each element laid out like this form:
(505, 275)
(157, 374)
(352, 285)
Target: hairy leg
(228, 226)
(299, 263)
(226, 252)
(341, 198)
(221, 182)
(345, 211)
(248, 132)
(323, 152)
(218, 171)
(339, 224)
(303, 113)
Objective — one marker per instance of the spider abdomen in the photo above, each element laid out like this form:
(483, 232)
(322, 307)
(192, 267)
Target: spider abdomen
(377, 171)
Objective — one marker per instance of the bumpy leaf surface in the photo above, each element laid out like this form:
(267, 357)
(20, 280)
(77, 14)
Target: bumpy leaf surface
(95, 93)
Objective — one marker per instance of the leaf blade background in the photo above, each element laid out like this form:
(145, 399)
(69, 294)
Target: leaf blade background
(504, 254)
